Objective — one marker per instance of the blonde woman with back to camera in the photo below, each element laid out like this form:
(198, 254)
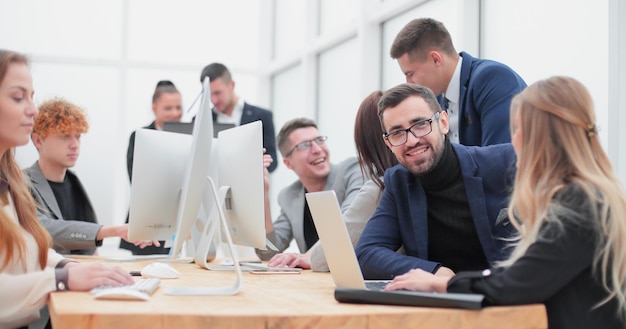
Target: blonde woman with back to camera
(29, 269)
(569, 208)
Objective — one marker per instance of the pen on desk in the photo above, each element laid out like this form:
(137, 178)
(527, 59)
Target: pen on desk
(135, 273)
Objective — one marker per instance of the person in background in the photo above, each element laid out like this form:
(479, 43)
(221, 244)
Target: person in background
(444, 203)
(229, 108)
(64, 208)
(304, 151)
(167, 107)
(29, 269)
(569, 208)
(374, 159)
(475, 93)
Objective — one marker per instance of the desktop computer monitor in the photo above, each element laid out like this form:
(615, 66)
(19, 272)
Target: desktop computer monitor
(197, 169)
(236, 187)
(240, 172)
(169, 175)
(239, 204)
(159, 165)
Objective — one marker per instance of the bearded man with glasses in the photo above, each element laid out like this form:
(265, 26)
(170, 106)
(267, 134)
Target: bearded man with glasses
(304, 151)
(445, 202)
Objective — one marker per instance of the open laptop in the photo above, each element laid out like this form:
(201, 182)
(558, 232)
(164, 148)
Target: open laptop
(338, 248)
(187, 127)
(178, 127)
(346, 272)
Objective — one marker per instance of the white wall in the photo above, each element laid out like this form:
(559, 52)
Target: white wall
(553, 41)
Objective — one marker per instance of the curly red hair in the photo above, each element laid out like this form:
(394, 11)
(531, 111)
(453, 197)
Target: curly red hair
(58, 116)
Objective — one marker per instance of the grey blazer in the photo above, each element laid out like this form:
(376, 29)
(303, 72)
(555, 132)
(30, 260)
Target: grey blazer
(66, 234)
(345, 179)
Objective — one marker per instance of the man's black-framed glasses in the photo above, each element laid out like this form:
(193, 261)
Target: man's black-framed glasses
(418, 129)
(319, 140)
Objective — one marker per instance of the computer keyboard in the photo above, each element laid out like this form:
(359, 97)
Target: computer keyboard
(142, 289)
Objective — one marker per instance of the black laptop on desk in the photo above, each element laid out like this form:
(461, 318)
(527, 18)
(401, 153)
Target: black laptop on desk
(409, 298)
(178, 127)
(187, 127)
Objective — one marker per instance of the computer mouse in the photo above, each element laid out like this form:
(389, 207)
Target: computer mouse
(159, 270)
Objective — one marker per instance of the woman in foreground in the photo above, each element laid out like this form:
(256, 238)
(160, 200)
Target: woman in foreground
(570, 210)
(29, 269)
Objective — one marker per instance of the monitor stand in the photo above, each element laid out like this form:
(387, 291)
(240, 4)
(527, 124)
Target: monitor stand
(204, 248)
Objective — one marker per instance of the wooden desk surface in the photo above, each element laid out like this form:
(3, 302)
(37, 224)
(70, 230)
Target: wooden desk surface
(268, 301)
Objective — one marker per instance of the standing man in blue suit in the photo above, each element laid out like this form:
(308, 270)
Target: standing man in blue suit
(445, 202)
(476, 93)
(229, 108)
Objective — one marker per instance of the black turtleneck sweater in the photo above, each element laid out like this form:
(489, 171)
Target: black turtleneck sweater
(452, 237)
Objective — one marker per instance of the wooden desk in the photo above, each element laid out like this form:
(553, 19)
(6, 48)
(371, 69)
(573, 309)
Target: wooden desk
(268, 301)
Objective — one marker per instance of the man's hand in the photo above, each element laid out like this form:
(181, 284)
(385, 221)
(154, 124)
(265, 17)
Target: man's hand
(122, 232)
(291, 260)
(419, 280)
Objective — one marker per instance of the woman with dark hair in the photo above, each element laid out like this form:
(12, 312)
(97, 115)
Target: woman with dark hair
(29, 269)
(166, 105)
(374, 158)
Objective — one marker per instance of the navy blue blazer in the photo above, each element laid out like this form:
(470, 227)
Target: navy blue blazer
(401, 216)
(253, 113)
(487, 88)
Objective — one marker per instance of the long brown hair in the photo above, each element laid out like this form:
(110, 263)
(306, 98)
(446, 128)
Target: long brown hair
(12, 242)
(374, 156)
(560, 147)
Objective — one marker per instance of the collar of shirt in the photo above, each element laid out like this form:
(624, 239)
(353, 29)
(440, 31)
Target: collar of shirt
(235, 118)
(454, 87)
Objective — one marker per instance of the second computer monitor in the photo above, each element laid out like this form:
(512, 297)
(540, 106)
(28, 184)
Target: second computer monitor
(240, 172)
(160, 162)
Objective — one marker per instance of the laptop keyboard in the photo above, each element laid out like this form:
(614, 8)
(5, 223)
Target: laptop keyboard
(376, 285)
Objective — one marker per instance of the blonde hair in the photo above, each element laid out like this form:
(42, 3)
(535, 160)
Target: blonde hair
(560, 148)
(13, 243)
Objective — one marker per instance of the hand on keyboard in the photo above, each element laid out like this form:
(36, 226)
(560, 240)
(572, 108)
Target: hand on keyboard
(140, 290)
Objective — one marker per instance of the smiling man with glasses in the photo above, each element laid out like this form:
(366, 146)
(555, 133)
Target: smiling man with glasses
(305, 152)
(445, 202)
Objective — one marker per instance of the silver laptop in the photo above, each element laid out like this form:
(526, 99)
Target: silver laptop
(338, 248)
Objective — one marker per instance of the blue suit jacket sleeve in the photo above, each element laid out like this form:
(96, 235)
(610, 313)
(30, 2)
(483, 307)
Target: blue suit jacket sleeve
(487, 88)
(383, 233)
